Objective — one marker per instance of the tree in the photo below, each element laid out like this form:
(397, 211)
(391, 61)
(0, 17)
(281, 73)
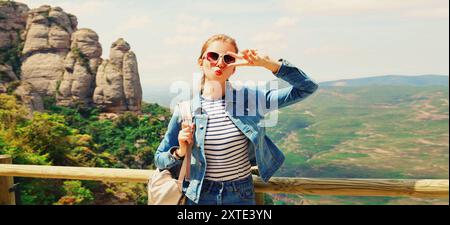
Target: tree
(47, 134)
(11, 112)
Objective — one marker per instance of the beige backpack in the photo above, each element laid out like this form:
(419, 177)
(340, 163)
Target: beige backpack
(162, 188)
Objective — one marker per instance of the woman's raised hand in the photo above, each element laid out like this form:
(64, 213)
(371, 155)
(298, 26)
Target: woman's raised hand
(249, 57)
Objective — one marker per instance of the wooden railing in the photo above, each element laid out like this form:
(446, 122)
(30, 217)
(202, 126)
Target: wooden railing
(424, 188)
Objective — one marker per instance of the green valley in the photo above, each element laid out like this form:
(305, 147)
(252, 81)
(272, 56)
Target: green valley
(397, 132)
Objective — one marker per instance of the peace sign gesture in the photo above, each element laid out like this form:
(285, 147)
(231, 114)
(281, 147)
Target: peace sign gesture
(249, 57)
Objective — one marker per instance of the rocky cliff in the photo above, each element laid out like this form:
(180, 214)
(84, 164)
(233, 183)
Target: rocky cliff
(118, 87)
(45, 55)
(80, 66)
(13, 19)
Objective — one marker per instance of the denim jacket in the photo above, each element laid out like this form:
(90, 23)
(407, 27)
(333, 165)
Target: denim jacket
(262, 151)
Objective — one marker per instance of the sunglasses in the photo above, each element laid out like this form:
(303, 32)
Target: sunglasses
(214, 57)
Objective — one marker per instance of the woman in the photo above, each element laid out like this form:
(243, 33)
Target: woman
(225, 144)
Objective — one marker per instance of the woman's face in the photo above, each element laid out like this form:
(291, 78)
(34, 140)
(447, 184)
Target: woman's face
(219, 71)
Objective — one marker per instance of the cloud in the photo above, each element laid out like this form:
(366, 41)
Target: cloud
(78, 8)
(436, 13)
(181, 40)
(270, 37)
(232, 7)
(327, 50)
(286, 22)
(160, 61)
(188, 24)
(194, 27)
(134, 22)
(361, 7)
(269, 42)
(34, 3)
(86, 7)
(189, 30)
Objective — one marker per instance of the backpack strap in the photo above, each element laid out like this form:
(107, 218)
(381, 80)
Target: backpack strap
(186, 116)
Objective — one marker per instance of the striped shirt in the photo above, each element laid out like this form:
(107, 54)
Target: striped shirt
(226, 147)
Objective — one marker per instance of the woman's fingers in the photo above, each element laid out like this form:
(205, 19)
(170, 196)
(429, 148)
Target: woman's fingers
(252, 57)
(239, 63)
(254, 53)
(247, 54)
(242, 55)
(246, 57)
(184, 124)
(186, 138)
(186, 134)
(235, 55)
(188, 127)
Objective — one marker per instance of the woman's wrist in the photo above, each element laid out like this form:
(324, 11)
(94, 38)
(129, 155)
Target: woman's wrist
(178, 154)
(175, 153)
(272, 65)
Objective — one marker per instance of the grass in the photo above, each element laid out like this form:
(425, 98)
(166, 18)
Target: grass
(345, 155)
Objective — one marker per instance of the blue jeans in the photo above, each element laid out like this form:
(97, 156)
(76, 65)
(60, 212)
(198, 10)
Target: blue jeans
(239, 192)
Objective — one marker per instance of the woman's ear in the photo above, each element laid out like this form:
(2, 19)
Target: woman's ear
(200, 63)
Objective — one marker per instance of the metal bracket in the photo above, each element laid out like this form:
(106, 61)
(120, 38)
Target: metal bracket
(14, 188)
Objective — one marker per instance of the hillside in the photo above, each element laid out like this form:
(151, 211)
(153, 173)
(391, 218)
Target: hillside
(366, 132)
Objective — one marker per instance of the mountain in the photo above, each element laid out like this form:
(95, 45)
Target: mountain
(162, 96)
(45, 57)
(393, 132)
(396, 80)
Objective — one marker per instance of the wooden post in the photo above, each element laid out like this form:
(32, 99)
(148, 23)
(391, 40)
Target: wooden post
(259, 198)
(6, 197)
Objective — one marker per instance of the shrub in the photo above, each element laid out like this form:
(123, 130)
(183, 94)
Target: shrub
(75, 194)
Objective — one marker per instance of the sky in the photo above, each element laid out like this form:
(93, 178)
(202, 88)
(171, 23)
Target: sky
(327, 39)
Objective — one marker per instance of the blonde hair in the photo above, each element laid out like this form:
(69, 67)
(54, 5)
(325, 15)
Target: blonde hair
(217, 37)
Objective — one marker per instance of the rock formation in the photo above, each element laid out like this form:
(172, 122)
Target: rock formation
(13, 19)
(80, 68)
(44, 55)
(118, 86)
(47, 42)
(6, 76)
(28, 95)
